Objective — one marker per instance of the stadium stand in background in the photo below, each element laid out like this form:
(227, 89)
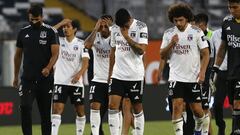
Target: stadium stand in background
(13, 15)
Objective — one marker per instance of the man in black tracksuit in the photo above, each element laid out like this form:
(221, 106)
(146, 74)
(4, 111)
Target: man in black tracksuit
(38, 44)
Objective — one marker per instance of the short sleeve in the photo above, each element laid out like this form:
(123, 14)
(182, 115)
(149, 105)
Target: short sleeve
(165, 41)
(112, 40)
(201, 40)
(143, 36)
(19, 40)
(85, 53)
(54, 37)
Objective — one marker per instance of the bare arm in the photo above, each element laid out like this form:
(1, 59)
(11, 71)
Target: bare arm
(204, 64)
(52, 61)
(162, 63)
(17, 64)
(111, 62)
(63, 22)
(90, 39)
(221, 54)
(137, 48)
(82, 70)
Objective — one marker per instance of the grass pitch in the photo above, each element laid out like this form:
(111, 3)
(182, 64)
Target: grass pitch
(151, 128)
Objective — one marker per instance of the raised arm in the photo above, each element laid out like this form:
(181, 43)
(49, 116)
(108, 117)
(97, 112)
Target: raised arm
(90, 39)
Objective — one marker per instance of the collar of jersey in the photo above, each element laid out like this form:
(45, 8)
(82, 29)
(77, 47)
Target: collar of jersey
(69, 43)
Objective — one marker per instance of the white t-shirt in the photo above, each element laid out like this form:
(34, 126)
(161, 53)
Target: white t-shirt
(101, 51)
(128, 65)
(184, 59)
(69, 61)
(216, 40)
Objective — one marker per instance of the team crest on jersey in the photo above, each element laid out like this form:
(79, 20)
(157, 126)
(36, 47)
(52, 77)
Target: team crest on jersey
(63, 45)
(133, 34)
(75, 47)
(190, 37)
(43, 34)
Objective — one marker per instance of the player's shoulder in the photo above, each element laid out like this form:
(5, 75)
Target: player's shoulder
(49, 28)
(228, 18)
(195, 28)
(169, 30)
(79, 40)
(140, 24)
(114, 27)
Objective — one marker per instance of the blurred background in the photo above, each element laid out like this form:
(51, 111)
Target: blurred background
(13, 16)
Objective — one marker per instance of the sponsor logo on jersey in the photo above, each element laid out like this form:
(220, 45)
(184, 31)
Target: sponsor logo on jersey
(42, 42)
(233, 41)
(181, 49)
(43, 34)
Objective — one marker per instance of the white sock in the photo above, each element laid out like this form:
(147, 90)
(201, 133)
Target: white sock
(199, 123)
(95, 121)
(120, 122)
(184, 115)
(56, 121)
(113, 121)
(205, 125)
(139, 123)
(178, 126)
(80, 124)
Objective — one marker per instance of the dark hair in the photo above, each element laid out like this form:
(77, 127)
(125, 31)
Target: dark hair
(36, 10)
(234, 1)
(75, 24)
(122, 16)
(201, 17)
(179, 10)
(107, 17)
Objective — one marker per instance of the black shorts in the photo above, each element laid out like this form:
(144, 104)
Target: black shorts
(98, 92)
(190, 92)
(206, 95)
(61, 93)
(234, 90)
(130, 89)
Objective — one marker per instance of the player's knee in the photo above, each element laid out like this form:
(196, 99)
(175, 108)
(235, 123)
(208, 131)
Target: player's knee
(113, 106)
(57, 110)
(95, 106)
(236, 105)
(137, 107)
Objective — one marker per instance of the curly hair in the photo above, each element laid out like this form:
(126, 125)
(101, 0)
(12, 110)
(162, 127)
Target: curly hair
(179, 10)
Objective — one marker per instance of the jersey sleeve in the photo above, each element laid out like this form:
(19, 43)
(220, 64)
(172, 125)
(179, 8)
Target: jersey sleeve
(112, 39)
(143, 36)
(165, 41)
(201, 41)
(85, 53)
(224, 36)
(54, 37)
(19, 40)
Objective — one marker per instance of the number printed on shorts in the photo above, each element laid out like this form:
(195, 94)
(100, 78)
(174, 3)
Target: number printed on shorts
(92, 89)
(58, 89)
(172, 84)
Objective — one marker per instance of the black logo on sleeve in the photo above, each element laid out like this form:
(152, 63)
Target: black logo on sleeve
(143, 35)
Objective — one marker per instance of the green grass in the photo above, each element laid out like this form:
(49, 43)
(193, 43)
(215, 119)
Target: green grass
(151, 128)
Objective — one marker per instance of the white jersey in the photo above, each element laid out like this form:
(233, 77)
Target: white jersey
(128, 65)
(216, 40)
(101, 51)
(69, 61)
(184, 60)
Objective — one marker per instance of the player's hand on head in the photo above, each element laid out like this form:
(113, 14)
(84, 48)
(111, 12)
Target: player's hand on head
(45, 72)
(65, 21)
